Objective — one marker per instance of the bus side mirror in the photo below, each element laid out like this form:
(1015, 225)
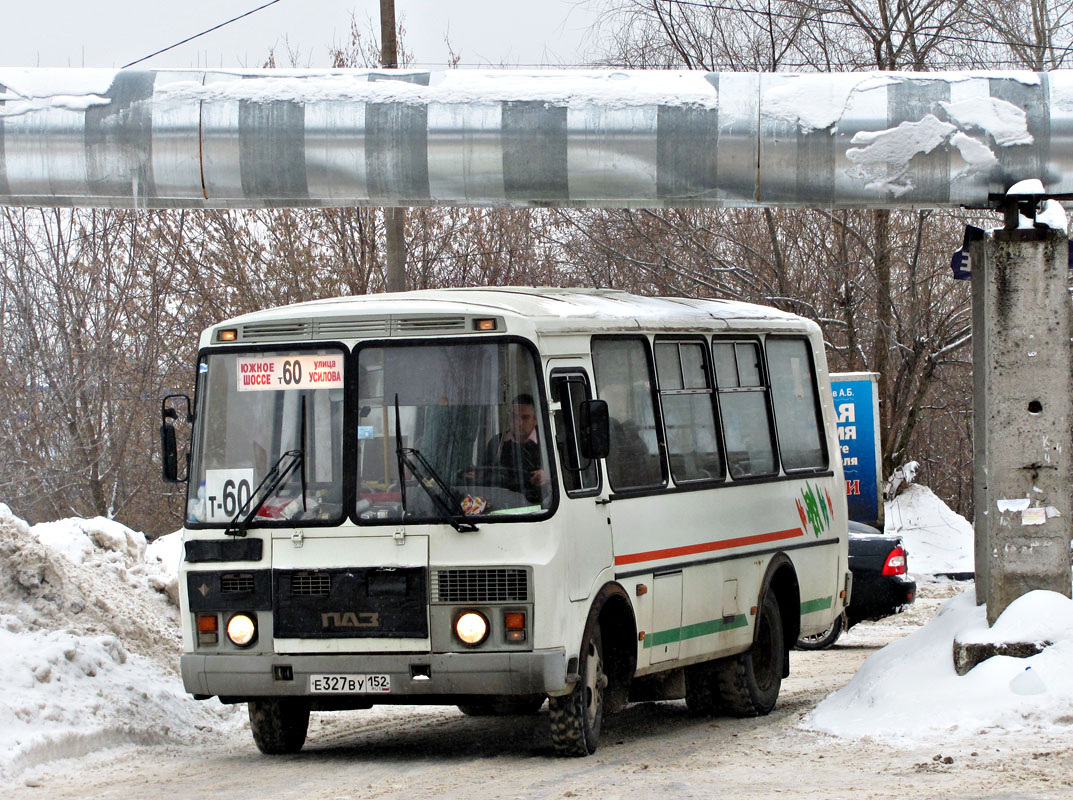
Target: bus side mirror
(594, 429)
(169, 449)
(169, 452)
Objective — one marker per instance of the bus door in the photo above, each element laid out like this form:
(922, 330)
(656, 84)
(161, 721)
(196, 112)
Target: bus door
(582, 514)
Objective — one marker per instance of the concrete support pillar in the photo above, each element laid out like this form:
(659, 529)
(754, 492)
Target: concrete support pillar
(1023, 414)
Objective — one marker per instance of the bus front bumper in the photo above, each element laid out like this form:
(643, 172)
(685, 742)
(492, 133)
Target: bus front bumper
(413, 677)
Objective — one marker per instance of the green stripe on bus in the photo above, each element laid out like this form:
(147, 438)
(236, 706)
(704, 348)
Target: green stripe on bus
(819, 604)
(695, 630)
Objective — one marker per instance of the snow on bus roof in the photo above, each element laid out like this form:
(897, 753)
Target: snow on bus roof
(536, 303)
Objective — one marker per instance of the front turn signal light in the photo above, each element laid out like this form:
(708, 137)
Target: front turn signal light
(208, 629)
(514, 625)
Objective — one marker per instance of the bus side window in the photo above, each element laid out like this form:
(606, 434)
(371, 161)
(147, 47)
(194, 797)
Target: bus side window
(624, 380)
(688, 411)
(743, 407)
(796, 402)
(580, 475)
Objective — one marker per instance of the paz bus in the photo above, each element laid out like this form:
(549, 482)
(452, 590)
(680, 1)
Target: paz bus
(496, 498)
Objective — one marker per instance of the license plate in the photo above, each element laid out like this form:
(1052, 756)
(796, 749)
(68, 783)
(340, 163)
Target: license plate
(349, 684)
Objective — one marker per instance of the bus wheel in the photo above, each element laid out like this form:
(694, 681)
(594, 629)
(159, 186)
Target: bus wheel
(576, 717)
(749, 683)
(702, 690)
(279, 724)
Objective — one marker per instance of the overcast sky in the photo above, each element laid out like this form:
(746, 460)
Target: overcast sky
(111, 33)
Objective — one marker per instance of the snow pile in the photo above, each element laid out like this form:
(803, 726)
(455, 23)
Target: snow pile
(883, 157)
(79, 539)
(939, 540)
(1049, 214)
(816, 103)
(571, 88)
(908, 693)
(90, 643)
(1007, 124)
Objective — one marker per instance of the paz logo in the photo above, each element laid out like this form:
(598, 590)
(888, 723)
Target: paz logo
(815, 509)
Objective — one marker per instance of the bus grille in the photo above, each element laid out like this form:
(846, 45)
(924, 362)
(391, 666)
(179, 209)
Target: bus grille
(311, 584)
(333, 327)
(236, 582)
(444, 324)
(508, 585)
(275, 331)
(350, 603)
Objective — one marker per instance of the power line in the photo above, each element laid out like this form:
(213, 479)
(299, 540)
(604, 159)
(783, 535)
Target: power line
(196, 35)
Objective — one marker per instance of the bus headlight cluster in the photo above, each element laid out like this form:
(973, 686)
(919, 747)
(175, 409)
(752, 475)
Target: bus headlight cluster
(471, 627)
(241, 630)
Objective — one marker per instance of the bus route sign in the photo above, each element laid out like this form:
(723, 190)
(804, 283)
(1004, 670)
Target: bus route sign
(857, 415)
(272, 373)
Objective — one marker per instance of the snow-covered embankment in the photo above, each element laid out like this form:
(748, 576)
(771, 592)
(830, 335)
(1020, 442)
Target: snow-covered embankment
(89, 643)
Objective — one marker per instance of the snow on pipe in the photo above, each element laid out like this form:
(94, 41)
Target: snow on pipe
(204, 138)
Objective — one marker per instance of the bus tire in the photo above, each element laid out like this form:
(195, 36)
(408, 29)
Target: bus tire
(576, 718)
(749, 683)
(702, 690)
(823, 639)
(279, 724)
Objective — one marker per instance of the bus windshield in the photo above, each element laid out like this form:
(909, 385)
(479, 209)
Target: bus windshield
(470, 422)
(259, 412)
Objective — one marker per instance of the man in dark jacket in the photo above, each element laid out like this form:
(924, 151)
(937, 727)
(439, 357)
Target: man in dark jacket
(518, 451)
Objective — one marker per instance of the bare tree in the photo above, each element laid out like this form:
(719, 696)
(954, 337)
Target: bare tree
(1031, 34)
(729, 35)
(85, 316)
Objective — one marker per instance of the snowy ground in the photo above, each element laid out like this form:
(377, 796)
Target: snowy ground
(92, 705)
(909, 692)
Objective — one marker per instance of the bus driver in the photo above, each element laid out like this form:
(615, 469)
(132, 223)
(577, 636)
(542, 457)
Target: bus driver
(517, 451)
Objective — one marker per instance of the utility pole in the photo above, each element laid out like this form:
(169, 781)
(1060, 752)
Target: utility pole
(394, 218)
(1023, 407)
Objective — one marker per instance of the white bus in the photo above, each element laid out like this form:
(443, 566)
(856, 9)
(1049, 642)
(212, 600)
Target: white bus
(493, 498)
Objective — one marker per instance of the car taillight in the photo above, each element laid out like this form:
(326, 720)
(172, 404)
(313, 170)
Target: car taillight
(896, 562)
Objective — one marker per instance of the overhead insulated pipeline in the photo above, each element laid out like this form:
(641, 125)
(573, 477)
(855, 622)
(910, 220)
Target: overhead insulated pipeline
(219, 139)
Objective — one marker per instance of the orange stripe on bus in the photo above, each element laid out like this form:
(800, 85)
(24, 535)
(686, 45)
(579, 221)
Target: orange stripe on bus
(708, 547)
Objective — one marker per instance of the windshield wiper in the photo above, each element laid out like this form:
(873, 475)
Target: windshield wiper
(416, 462)
(445, 498)
(266, 488)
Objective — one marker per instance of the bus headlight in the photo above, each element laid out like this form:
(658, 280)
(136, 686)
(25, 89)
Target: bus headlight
(241, 630)
(472, 628)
